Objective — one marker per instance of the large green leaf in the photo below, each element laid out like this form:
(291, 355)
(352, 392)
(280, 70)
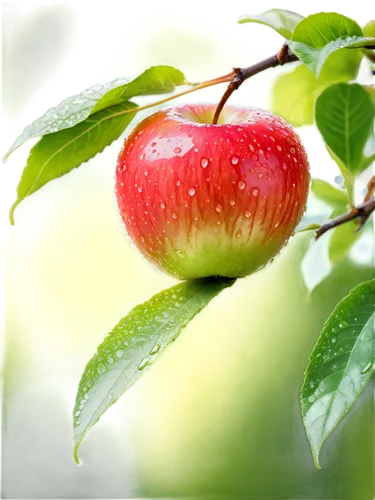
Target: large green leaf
(341, 364)
(38, 43)
(319, 29)
(282, 21)
(57, 154)
(316, 58)
(344, 115)
(134, 344)
(75, 109)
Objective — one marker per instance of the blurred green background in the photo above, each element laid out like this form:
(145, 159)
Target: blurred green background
(218, 415)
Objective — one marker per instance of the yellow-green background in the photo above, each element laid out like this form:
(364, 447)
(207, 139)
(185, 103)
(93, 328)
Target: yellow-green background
(218, 414)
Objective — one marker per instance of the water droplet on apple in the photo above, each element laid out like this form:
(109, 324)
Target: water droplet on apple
(191, 191)
(181, 254)
(251, 147)
(177, 150)
(162, 205)
(255, 191)
(260, 175)
(232, 203)
(247, 214)
(145, 173)
(254, 157)
(238, 234)
(279, 148)
(292, 150)
(196, 150)
(204, 162)
(174, 215)
(241, 185)
(284, 166)
(140, 189)
(277, 224)
(234, 160)
(218, 208)
(178, 182)
(153, 144)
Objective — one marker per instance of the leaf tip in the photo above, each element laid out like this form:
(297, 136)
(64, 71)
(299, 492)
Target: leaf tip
(316, 459)
(11, 212)
(76, 458)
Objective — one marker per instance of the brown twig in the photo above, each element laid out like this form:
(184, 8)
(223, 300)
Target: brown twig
(362, 212)
(285, 55)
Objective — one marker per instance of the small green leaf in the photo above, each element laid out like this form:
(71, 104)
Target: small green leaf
(319, 29)
(330, 194)
(316, 58)
(75, 109)
(155, 80)
(315, 265)
(57, 154)
(38, 44)
(293, 96)
(282, 21)
(344, 115)
(134, 344)
(343, 238)
(341, 364)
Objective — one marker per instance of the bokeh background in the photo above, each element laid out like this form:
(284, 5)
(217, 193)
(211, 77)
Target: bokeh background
(218, 415)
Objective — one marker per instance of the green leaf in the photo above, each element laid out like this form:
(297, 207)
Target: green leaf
(344, 115)
(316, 265)
(328, 192)
(282, 21)
(316, 58)
(57, 154)
(134, 344)
(343, 238)
(341, 364)
(38, 44)
(75, 109)
(293, 96)
(155, 80)
(319, 29)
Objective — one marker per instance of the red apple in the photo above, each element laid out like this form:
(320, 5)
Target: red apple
(211, 200)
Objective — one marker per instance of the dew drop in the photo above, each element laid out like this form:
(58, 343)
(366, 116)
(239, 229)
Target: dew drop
(162, 205)
(284, 166)
(238, 234)
(181, 254)
(153, 144)
(343, 325)
(178, 182)
(101, 368)
(177, 150)
(140, 189)
(218, 208)
(174, 215)
(232, 203)
(334, 340)
(241, 185)
(277, 224)
(260, 175)
(191, 191)
(279, 148)
(155, 349)
(292, 150)
(90, 383)
(234, 160)
(119, 353)
(366, 368)
(311, 399)
(142, 365)
(204, 162)
(145, 173)
(247, 214)
(255, 191)
(196, 150)
(251, 147)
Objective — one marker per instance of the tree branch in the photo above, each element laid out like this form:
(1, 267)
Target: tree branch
(285, 55)
(362, 212)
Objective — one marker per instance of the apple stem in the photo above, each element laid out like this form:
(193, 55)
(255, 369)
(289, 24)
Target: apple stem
(285, 55)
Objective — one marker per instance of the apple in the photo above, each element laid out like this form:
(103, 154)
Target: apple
(211, 200)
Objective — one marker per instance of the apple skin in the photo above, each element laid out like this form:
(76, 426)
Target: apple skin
(204, 200)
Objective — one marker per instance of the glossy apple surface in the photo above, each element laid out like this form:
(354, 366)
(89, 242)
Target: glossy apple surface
(202, 200)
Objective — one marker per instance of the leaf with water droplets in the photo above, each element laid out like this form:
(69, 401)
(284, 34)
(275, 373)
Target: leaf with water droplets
(75, 109)
(281, 20)
(57, 154)
(134, 344)
(341, 364)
